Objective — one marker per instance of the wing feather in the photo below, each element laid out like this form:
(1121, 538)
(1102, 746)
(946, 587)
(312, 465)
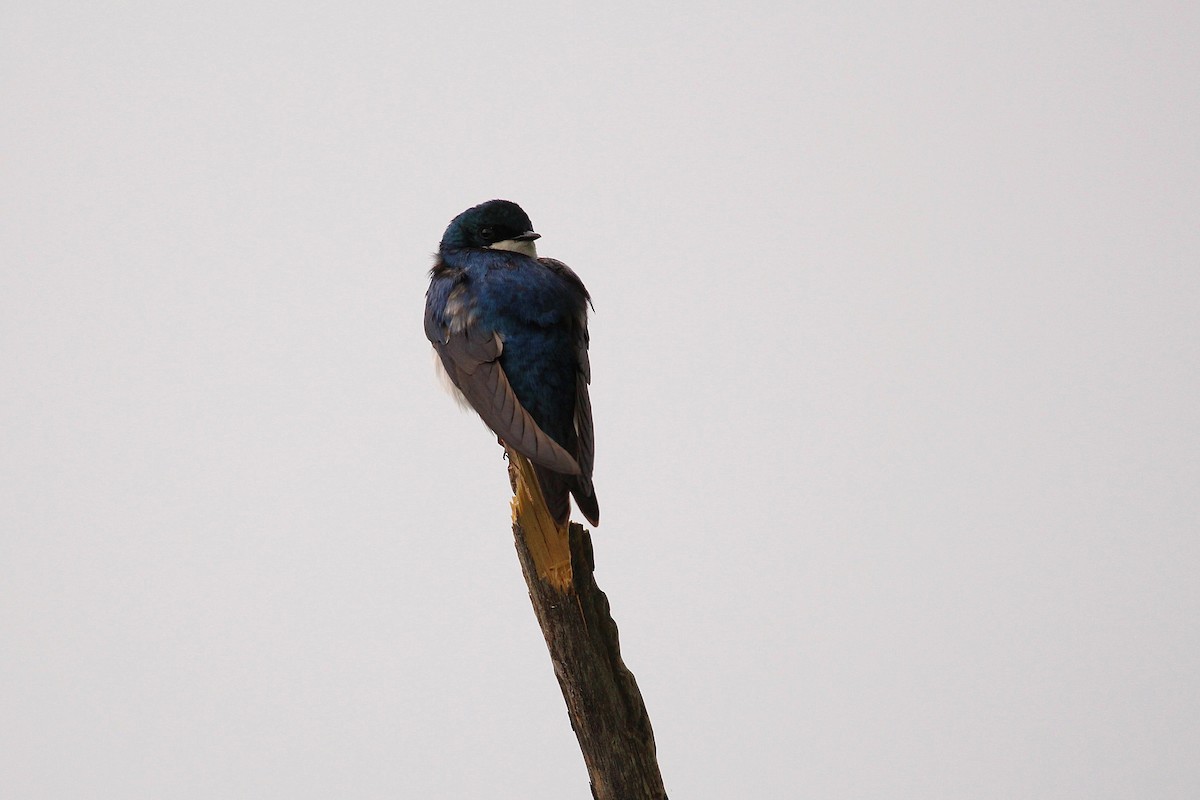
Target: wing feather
(471, 359)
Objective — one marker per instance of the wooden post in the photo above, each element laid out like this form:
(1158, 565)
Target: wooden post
(603, 701)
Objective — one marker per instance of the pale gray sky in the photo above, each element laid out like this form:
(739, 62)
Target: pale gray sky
(895, 385)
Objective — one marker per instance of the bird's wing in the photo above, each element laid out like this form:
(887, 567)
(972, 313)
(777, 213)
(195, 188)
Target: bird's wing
(471, 356)
(583, 404)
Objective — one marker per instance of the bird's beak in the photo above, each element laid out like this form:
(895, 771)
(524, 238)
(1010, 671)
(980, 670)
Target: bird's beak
(519, 244)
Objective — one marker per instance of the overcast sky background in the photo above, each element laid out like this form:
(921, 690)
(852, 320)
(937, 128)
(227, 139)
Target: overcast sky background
(895, 385)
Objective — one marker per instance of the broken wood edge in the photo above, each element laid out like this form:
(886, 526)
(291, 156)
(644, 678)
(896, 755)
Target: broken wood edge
(603, 701)
(548, 542)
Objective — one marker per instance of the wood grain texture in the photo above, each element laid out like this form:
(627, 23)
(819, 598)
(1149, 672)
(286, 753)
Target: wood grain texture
(603, 700)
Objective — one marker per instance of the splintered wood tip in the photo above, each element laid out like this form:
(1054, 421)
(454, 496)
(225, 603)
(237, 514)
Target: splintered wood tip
(548, 542)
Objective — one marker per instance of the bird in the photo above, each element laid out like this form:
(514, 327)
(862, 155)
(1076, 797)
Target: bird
(510, 332)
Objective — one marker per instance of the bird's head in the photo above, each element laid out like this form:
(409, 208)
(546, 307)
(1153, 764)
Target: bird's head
(498, 224)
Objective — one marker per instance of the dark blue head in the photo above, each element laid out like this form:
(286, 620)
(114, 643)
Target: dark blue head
(498, 224)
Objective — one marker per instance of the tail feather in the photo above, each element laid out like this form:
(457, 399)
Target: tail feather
(585, 498)
(557, 489)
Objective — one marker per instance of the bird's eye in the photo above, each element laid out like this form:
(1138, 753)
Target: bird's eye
(486, 232)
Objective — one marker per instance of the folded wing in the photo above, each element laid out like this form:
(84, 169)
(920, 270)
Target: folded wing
(471, 358)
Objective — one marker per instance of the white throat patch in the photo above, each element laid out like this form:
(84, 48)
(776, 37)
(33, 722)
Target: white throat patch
(527, 248)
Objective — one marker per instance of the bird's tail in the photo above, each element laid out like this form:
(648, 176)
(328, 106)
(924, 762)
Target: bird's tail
(558, 489)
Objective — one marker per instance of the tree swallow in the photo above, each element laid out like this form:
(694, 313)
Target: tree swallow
(510, 330)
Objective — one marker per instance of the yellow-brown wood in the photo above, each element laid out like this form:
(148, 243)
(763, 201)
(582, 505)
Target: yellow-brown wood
(549, 544)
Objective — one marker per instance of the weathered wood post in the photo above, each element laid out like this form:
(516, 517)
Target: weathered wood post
(603, 700)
